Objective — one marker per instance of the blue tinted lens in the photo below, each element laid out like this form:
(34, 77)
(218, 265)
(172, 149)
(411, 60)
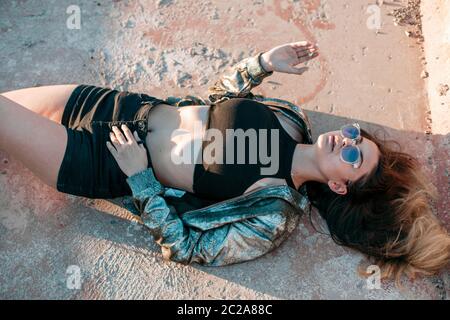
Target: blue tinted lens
(350, 132)
(350, 154)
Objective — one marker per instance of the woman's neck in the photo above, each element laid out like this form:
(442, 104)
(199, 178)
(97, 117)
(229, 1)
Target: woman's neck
(304, 165)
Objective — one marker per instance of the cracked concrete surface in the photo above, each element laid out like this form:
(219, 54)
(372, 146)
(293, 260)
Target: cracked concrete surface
(175, 47)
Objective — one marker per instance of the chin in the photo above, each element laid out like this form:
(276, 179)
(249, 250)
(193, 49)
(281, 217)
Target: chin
(321, 142)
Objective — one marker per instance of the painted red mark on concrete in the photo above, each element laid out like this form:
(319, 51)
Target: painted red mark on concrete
(319, 24)
(168, 37)
(311, 5)
(165, 37)
(287, 15)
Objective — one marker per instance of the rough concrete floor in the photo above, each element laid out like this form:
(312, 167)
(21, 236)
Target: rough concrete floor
(175, 47)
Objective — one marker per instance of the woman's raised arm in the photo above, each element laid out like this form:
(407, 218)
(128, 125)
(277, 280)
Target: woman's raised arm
(238, 80)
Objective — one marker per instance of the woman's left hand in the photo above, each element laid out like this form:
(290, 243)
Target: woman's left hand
(130, 155)
(285, 57)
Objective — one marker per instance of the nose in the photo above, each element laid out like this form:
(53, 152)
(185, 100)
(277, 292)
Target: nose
(348, 141)
(341, 142)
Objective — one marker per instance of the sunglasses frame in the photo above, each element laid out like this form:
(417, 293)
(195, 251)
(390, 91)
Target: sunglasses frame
(356, 164)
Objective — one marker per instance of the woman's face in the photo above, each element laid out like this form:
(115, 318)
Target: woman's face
(336, 171)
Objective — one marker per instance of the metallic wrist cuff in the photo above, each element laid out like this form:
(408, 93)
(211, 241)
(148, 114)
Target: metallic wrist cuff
(255, 68)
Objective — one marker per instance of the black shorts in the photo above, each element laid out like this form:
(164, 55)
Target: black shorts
(88, 168)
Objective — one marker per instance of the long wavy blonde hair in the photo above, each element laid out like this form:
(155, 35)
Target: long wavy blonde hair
(388, 215)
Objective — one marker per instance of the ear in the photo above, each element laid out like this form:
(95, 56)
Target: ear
(338, 187)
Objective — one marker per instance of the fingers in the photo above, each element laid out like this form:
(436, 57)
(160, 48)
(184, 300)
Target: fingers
(308, 54)
(120, 140)
(128, 134)
(118, 135)
(303, 43)
(307, 57)
(111, 148)
(306, 51)
(115, 141)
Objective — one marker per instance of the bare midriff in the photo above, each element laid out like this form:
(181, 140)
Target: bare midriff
(170, 130)
(173, 130)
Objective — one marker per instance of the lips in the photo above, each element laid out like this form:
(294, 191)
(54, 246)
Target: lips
(331, 142)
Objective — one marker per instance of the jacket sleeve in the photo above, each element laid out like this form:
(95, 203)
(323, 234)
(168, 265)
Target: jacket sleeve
(237, 81)
(224, 244)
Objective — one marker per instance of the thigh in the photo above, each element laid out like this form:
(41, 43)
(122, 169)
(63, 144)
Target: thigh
(36, 141)
(47, 101)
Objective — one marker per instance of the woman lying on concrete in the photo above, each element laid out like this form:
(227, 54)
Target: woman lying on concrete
(247, 164)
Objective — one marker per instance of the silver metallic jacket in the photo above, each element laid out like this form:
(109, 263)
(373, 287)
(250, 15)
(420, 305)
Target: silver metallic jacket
(230, 231)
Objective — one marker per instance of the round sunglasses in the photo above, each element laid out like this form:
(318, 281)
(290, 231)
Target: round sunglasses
(351, 154)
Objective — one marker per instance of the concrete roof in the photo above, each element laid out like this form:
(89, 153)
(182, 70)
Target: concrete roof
(180, 47)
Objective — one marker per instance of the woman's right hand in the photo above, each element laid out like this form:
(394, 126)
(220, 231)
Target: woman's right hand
(128, 150)
(284, 57)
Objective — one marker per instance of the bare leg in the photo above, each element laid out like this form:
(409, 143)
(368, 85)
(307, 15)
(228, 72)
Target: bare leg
(39, 143)
(48, 101)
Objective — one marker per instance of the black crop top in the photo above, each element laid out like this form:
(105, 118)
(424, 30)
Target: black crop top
(226, 173)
